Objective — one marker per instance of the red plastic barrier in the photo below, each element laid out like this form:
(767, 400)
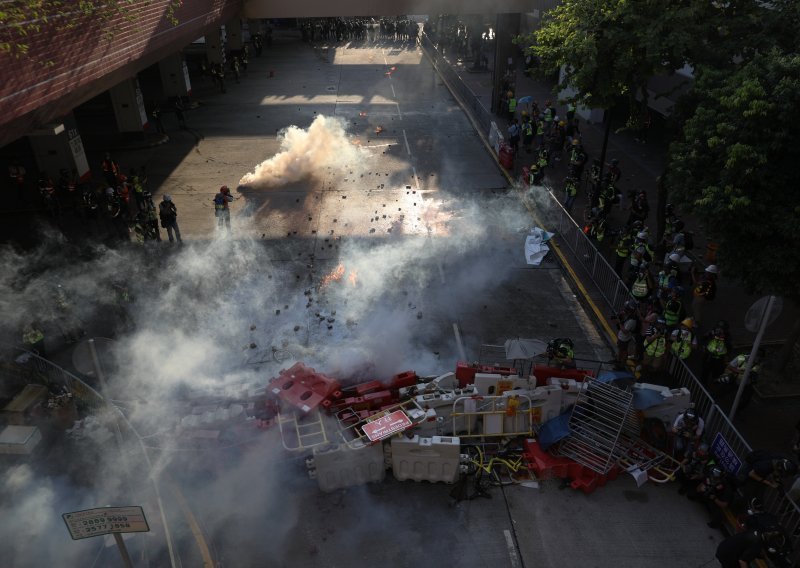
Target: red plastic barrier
(547, 466)
(364, 388)
(404, 379)
(465, 372)
(544, 372)
(302, 387)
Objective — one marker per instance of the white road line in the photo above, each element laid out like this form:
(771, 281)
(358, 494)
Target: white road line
(416, 178)
(512, 549)
(408, 148)
(393, 93)
(399, 114)
(441, 271)
(461, 352)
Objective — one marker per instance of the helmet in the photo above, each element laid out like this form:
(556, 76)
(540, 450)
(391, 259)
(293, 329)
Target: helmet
(688, 322)
(675, 257)
(524, 113)
(787, 466)
(535, 167)
(638, 225)
(109, 191)
(167, 197)
(631, 304)
(755, 506)
(614, 162)
(575, 141)
(715, 473)
(690, 415)
(562, 123)
(712, 269)
(642, 235)
(669, 208)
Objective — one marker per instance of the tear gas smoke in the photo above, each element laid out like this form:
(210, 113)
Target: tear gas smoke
(211, 321)
(323, 145)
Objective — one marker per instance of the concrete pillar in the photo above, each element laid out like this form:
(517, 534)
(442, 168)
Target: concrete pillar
(175, 76)
(215, 47)
(233, 34)
(128, 103)
(59, 146)
(506, 29)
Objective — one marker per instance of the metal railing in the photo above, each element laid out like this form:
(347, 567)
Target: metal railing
(477, 109)
(615, 293)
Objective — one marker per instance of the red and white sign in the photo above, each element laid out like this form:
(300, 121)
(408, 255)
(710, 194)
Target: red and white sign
(387, 425)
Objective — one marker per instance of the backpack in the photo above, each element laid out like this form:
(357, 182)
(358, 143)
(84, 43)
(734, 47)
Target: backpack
(688, 240)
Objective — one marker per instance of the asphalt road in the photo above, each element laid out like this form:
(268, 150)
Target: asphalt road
(397, 231)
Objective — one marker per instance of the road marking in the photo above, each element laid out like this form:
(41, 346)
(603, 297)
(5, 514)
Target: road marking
(459, 344)
(512, 549)
(441, 271)
(408, 148)
(416, 177)
(393, 93)
(399, 114)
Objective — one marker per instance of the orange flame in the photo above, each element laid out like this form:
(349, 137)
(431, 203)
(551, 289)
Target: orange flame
(334, 276)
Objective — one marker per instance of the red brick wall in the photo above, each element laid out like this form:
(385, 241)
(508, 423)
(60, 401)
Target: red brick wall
(66, 66)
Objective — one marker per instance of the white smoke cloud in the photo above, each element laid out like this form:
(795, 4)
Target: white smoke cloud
(303, 153)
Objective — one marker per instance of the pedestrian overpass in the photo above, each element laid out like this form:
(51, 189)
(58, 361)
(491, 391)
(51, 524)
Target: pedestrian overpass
(326, 8)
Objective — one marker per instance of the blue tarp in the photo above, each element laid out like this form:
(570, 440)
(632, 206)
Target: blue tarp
(611, 376)
(554, 430)
(645, 398)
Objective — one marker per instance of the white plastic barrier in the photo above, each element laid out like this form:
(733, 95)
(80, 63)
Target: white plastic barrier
(442, 403)
(337, 465)
(675, 402)
(489, 384)
(426, 459)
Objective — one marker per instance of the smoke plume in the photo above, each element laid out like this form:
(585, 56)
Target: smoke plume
(303, 152)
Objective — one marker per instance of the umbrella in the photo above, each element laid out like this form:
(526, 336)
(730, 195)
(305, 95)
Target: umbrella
(524, 348)
(523, 100)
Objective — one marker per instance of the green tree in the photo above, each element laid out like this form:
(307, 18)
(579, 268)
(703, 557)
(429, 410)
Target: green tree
(611, 48)
(736, 166)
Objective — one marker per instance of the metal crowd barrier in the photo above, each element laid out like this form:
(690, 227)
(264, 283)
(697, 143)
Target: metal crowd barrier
(614, 293)
(454, 82)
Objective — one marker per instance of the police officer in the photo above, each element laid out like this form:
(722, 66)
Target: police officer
(739, 549)
(221, 210)
(693, 468)
(715, 491)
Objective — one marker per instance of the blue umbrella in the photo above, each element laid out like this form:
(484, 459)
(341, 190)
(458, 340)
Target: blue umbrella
(523, 100)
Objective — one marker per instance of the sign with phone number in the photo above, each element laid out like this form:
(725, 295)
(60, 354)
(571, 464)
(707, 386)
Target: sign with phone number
(105, 520)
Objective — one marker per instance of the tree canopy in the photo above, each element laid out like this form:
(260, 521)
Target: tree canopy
(735, 165)
(734, 162)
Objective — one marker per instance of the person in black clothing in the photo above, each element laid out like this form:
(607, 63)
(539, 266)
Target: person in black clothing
(716, 492)
(738, 550)
(169, 217)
